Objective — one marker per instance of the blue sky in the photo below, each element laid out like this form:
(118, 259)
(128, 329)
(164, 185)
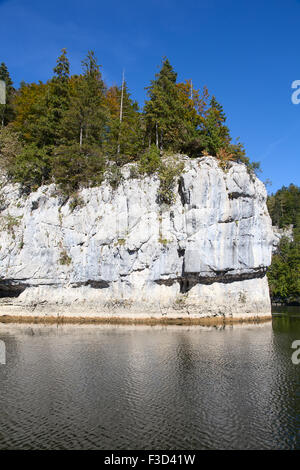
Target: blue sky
(247, 53)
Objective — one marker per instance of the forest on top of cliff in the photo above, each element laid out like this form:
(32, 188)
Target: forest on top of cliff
(73, 129)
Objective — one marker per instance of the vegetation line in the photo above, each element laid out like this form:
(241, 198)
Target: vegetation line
(74, 129)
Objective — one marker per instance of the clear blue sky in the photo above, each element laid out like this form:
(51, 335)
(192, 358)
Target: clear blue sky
(246, 52)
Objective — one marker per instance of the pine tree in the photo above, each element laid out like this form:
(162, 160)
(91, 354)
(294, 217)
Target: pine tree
(162, 110)
(173, 111)
(56, 103)
(193, 105)
(86, 119)
(215, 132)
(125, 137)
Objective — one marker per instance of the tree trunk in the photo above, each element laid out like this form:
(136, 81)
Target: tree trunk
(2, 119)
(80, 137)
(121, 112)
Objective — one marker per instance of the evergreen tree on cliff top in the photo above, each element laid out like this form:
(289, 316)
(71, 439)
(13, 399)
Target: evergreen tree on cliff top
(125, 137)
(85, 122)
(164, 111)
(56, 103)
(41, 107)
(213, 137)
(215, 133)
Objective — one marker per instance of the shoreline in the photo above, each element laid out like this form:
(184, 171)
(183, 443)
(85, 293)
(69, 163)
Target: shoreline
(133, 320)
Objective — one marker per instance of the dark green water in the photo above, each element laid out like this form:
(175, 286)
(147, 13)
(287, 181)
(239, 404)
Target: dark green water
(109, 387)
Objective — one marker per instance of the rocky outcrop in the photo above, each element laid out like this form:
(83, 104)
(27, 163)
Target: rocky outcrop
(279, 233)
(122, 253)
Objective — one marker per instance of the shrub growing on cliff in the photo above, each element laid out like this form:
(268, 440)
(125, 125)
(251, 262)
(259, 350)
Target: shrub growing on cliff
(75, 166)
(32, 167)
(169, 174)
(10, 147)
(64, 258)
(150, 161)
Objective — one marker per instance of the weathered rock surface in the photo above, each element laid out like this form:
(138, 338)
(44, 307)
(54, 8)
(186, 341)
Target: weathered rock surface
(279, 233)
(123, 253)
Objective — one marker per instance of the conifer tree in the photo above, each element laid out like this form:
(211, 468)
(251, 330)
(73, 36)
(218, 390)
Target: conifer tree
(161, 110)
(215, 132)
(86, 119)
(56, 103)
(125, 138)
(173, 111)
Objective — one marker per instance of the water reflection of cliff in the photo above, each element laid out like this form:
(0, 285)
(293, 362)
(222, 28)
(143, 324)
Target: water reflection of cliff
(127, 387)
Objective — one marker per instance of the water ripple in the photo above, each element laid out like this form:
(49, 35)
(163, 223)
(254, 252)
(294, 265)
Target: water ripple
(99, 387)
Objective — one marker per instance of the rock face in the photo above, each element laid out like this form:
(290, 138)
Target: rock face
(279, 233)
(122, 253)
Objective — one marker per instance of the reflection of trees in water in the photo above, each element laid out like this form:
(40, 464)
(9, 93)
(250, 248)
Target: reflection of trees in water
(186, 355)
(285, 330)
(286, 324)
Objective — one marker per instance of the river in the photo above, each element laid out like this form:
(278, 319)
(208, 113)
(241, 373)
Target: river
(143, 387)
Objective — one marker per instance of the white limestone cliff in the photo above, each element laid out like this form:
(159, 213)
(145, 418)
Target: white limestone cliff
(122, 253)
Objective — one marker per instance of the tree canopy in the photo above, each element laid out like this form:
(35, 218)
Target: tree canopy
(74, 128)
(284, 273)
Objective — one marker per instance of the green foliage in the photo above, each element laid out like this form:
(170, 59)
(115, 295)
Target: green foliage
(73, 129)
(150, 161)
(75, 201)
(168, 171)
(284, 273)
(114, 176)
(75, 167)
(32, 167)
(30, 104)
(10, 147)
(284, 206)
(163, 241)
(85, 122)
(169, 113)
(214, 132)
(253, 167)
(169, 174)
(64, 258)
(124, 140)
(9, 223)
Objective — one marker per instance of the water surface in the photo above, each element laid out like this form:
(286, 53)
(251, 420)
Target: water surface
(162, 387)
